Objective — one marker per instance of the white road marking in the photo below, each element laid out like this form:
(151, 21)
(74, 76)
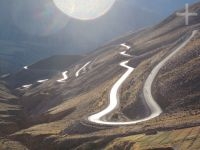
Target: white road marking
(82, 69)
(65, 77)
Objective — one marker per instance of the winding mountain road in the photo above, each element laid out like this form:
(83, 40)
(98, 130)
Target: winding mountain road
(155, 109)
(114, 100)
(64, 74)
(42, 81)
(27, 86)
(82, 69)
(65, 77)
(124, 54)
(125, 45)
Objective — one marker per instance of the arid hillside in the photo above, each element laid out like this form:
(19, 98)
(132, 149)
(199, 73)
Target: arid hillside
(54, 115)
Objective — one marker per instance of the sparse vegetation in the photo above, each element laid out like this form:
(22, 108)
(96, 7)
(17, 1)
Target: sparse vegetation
(53, 116)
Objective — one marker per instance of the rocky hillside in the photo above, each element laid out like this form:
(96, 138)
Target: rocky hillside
(55, 114)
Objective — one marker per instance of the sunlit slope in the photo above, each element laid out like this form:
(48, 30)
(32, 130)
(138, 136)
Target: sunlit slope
(169, 140)
(57, 112)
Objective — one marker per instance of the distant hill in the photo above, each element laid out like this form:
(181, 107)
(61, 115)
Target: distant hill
(43, 69)
(56, 62)
(15, 55)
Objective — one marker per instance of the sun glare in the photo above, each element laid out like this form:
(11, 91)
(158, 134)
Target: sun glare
(84, 9)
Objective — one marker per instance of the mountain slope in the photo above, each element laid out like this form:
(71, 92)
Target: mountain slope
(43, 69)
(57, 112)
(11, 113)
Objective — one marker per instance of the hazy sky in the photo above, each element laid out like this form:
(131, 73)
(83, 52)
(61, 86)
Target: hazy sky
(40, 22)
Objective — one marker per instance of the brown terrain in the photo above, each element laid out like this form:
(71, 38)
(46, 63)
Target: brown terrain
(53, 116)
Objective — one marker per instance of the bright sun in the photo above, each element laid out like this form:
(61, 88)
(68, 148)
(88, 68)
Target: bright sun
(84, 9)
